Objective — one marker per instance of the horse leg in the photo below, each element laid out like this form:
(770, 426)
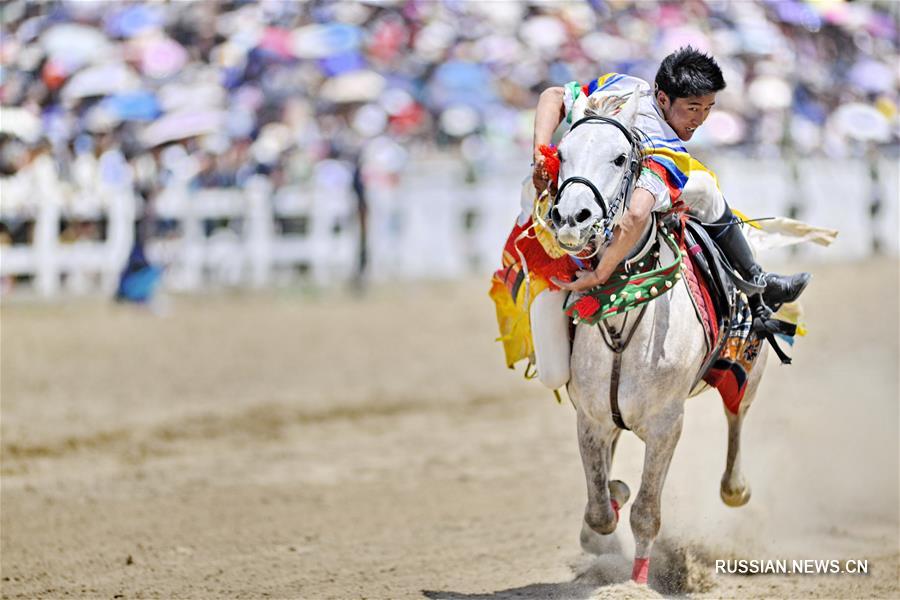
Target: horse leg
(733, 488)
(595, 441)
(660, 439)
(605, 497)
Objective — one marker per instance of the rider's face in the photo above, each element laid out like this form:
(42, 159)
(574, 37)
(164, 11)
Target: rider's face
(685, 115)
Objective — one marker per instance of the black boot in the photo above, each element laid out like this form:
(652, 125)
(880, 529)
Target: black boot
(779, 288)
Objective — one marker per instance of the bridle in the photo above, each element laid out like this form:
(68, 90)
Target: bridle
(603, 227)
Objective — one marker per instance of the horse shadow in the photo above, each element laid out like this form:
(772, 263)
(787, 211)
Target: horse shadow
(594, 572)
(534, 591)
(677, 571)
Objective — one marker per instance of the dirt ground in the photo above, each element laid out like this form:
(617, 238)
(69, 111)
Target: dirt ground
(295, 445)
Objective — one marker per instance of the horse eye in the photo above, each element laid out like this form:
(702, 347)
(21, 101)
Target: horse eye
(619, 161)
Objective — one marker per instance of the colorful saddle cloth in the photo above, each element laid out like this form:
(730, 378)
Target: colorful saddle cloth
(530, 259)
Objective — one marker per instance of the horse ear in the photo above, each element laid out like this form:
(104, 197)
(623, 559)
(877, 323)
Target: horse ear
(629, 110)
(578, 107)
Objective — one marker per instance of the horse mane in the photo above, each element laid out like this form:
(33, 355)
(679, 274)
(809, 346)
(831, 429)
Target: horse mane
(604, 105)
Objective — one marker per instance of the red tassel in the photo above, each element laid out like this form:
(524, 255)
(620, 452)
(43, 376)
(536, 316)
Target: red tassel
(551, 161)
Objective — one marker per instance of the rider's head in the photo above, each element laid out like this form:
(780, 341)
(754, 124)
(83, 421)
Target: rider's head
(686, 86)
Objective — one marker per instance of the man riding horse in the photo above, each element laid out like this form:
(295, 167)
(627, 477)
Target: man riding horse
(681, 100)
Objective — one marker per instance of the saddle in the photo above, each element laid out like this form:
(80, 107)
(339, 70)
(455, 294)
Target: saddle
(734, 318)
(726, 287)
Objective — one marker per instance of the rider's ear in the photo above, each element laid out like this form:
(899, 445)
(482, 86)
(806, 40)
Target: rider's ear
(629, 110)
(662, 98)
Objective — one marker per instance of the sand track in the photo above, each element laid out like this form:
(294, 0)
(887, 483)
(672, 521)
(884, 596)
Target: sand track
(267, 446)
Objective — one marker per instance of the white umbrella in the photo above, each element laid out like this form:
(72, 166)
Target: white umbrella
(543, 33)
(861, 122)
(20, 123)
(356, 86)
(724, 127)
(195, 95)
(101, 80)
(182, 125)
(76, 44)
(770, 93)
(162, 57)
(460, 120)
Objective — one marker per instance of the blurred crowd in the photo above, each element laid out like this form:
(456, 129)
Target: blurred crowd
(207, 94)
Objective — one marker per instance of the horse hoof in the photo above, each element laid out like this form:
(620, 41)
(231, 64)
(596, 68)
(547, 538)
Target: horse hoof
(598, 544)
(735, 498)
(619, 492)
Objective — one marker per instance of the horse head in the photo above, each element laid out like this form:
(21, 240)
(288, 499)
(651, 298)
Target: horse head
(599, 161)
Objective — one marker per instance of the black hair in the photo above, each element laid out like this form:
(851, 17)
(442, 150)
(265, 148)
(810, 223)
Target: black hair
(689, 72)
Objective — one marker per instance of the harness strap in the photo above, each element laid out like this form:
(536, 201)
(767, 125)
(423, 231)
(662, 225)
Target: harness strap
(616, 344)
(767, 328)
(614, 392)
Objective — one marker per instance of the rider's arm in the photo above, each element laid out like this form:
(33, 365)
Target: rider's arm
(626, 235)
(548, 115)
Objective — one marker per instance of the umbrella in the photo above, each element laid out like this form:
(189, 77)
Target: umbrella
(179, 96)
(861, 122)
(100, 119)
(277, 42)
(796, 13)
(543, 33)
(133, 20)
(76, 44)
(460, 120)
(358, 86)
(872, 76)
(20, 123)
(725, 128)
(685, 35)
(319, 41)
(342, 63)
(132, 106)
(101, 80)
(370, 120)
(182, 125)
(458, 82)
(162, 57)
(770, 93)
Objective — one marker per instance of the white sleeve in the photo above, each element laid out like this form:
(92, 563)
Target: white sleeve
(651, 182)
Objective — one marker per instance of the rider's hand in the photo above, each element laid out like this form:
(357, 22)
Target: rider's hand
(585, 281)
(539, 176)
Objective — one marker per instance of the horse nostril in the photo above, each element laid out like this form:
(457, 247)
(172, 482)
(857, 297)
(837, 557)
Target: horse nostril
(555, 216)
(583, 215)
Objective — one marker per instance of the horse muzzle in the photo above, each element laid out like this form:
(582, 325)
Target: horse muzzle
(574, 240)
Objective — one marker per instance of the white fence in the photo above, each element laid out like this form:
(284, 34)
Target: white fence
(432, 225)
(253, 249)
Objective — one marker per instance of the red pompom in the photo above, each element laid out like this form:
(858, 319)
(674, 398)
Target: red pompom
(587, 306)
(551, 161)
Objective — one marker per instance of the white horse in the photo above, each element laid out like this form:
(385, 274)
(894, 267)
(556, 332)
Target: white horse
(660, 361)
